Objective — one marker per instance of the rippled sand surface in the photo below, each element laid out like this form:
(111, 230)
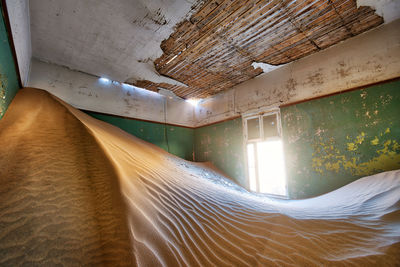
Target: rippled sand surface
(75, 191)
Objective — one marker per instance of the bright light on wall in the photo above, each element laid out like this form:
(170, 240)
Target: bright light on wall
(104, 80)
(127, 86)
(193, 101)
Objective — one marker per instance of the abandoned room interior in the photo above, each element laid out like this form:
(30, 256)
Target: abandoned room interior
(200, 133)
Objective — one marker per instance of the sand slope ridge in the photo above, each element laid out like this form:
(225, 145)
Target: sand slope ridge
(59, 194)
(77, 191)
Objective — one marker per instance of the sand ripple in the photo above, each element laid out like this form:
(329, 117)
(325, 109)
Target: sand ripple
(76, 191)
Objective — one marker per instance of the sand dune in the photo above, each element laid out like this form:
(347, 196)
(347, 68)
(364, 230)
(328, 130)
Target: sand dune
(77, 191)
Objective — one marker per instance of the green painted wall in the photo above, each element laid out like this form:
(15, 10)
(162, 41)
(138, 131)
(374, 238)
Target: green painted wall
(329, 142)
(8, 75)
(180, 139)
(222, 144)
(332, 141)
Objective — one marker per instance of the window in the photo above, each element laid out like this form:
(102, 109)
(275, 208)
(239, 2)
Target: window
(264, 150)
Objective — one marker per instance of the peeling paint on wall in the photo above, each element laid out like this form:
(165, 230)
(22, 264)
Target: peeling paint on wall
(327, 157)
(332, 141)
(3, 92)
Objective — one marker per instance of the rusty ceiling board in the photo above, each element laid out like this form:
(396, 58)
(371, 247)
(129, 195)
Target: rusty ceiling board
(214, 49)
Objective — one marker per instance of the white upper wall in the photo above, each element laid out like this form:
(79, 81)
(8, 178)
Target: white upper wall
(18, 12)
(367, 58)
(85, 91)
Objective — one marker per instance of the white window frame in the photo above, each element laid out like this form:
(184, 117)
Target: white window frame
(246, 141)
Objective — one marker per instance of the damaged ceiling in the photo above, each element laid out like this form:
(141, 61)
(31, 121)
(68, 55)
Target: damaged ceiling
(193, 48)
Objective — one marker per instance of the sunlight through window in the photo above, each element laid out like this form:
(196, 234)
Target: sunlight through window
(265, 154)
(252, 167)
(271, 169)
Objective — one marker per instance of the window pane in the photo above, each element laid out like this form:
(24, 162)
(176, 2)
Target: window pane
(270, 126)
(271, 167)
(253, 129)
(252, 167)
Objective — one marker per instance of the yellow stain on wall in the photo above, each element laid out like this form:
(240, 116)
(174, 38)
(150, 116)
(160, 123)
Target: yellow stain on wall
(360, 138)
(395, 146)
(333, 160)
(349, 164)
(375, 141)
(388, 156)
(333, 166)
(351, 147)
(385, 148)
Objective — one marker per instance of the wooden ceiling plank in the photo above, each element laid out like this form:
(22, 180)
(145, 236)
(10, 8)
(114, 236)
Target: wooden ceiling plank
(257, 16)
(271, 22)
(232, 9)
(215, 50)
(197, 35)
